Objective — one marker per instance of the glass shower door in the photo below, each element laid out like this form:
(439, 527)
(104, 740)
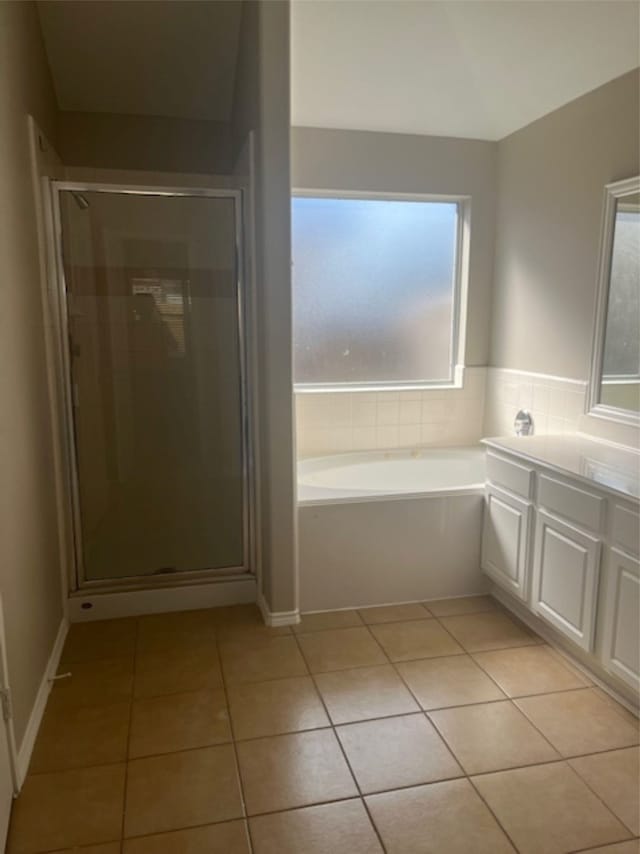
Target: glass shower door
(155, 363)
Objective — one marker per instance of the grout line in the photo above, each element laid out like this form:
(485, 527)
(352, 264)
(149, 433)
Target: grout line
(153, 835)
(495, 817)
(126, 767)
(334, 727)
(612, 845)
(597, 794)
(342, 749)
(235, 752)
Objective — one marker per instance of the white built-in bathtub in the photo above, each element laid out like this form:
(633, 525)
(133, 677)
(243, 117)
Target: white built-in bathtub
(390, 526)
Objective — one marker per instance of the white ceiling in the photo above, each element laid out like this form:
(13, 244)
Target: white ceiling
(148, 58)
(469, 69)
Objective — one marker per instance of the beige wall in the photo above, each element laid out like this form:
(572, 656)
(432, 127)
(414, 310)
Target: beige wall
(551, 176)
(30, 574)
(399, 163)
(152, 143)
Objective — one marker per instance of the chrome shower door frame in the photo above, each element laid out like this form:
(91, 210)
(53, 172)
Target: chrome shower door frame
(79, 583)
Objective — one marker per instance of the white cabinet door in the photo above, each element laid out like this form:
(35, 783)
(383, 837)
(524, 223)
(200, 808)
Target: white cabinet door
(566, 566)
(621, 622)
(505, 536)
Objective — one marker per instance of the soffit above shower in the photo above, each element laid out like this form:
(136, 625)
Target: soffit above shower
(149, 58)
(465, 69)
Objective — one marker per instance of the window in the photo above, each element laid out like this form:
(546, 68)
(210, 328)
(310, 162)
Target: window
(621, 360)
(375, 291)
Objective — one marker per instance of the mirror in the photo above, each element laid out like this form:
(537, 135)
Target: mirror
(615, 381)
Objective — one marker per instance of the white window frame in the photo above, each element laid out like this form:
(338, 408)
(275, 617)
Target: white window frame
(460, 291)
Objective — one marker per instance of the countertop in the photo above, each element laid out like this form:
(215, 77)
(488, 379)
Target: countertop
(610, 467)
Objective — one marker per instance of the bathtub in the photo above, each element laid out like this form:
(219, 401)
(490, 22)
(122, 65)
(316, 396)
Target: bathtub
(384, 527)
(348, 477)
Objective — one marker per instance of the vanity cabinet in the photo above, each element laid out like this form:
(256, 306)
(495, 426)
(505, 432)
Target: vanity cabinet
(621, 612)
(570, 553)
(621, 618)
(505, 538)
(506, 533)
(566, 568)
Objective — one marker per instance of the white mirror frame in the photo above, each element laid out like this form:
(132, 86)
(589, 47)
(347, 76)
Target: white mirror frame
(612, 193)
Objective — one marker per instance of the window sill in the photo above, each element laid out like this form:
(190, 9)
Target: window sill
(320, 388)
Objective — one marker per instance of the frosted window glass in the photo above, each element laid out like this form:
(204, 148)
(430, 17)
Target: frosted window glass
(622, 339)
(373, 290)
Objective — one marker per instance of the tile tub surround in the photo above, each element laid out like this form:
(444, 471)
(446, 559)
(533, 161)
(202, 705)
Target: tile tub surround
(353, 734)
(335, 422)
(556, 404)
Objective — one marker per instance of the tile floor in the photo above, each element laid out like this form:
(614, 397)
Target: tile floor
(447, 728)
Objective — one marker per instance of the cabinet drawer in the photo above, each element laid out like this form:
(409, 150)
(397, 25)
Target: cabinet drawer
(625, 529)
(512, 476)
(570, 502)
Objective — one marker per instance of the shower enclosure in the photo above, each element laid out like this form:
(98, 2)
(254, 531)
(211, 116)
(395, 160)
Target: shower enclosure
(153, 355)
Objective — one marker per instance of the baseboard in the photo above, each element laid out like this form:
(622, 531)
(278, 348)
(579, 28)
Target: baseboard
(37, 712)
(277, 618)
(130, 603)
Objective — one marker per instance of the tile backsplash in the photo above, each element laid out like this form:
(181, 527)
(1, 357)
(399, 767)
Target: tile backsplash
(556, 404)
(336, 422)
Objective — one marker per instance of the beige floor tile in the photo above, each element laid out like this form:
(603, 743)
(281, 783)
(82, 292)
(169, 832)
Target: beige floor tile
(93, 683)
(529, 670)
(181, 790)
(159, 633)
(258, 661)
(577, 722)
(238, 615)
(100, 639)
(250, 633)
(244, 622)
(341, 828)
(177, 622)
(394, 613)
(179, 722)
(615, 777)
(481, 632)
(226, 838)
(276, 707)
(68, 808)
(340, 649)
(366, 692)
(616, 706)
(441, 818)
(461, 605)
(547, 809)
(79, 737)
(293, 771)
(176, 671)
(327, 620)
(452, 681)
(415, 639)
(394, 752)
(492, 736)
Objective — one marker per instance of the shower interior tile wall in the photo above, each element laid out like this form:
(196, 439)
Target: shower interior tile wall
(335, 422)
